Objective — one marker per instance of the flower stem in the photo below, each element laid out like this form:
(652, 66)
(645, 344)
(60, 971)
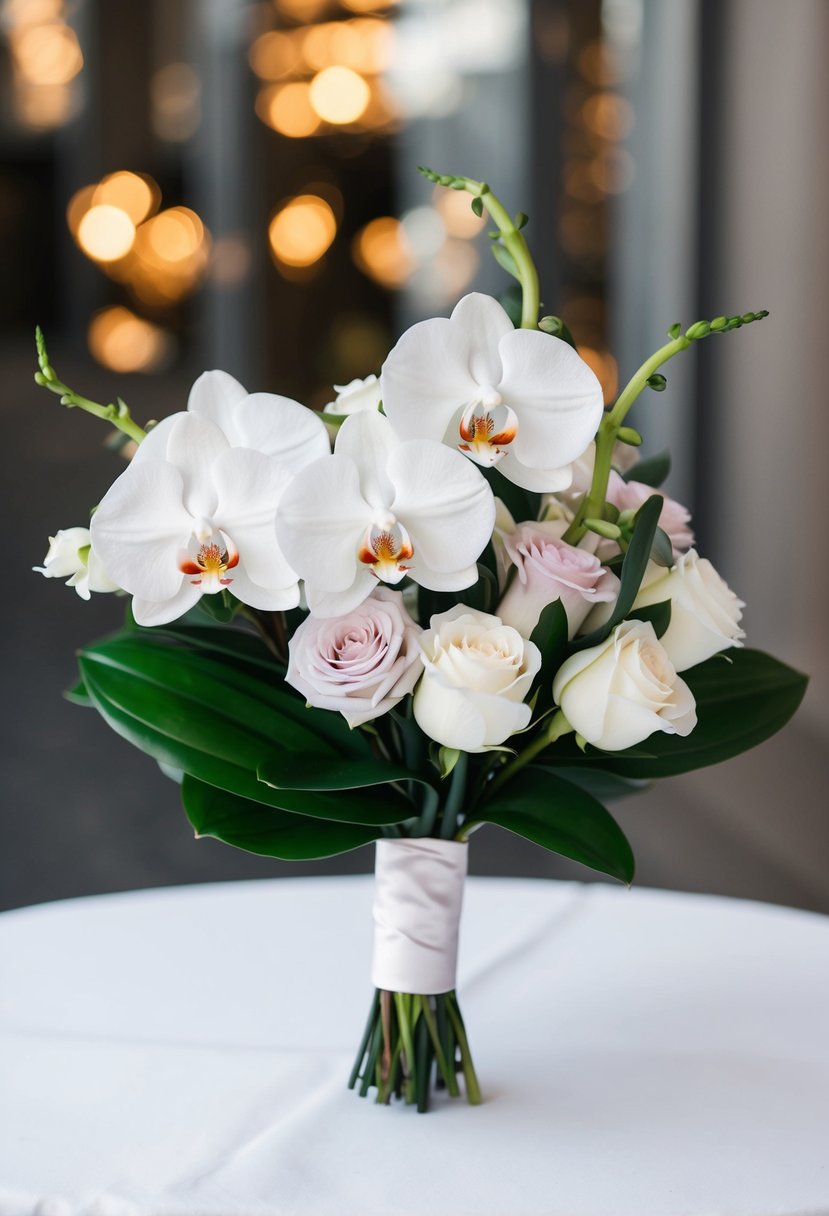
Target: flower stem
(455, 797)
(512, 239)
(556, 727)
(116, 412)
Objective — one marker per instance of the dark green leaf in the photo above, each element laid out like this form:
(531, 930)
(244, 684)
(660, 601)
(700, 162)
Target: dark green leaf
(222, 608)
(477, 206)
(607, 787)
(740, 703)
(310, 771)
(659, 616)
(633, 569)
(235, 645)
(504, 259)
(550, 636)
(263, 830)
(511, 301)
(651, 471)
(561, 817)
(78, 695)
(662, 551)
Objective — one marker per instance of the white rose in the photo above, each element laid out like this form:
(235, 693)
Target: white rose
(355, 396)
(620, 692)
(705, 612)
(361, 663)
(477, 673)
(72, 557)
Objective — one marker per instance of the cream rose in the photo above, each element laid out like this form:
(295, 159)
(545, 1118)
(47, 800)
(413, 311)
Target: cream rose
(705, 612)
(360, 664)
(477, 672)
(548, 569)
(620, 692)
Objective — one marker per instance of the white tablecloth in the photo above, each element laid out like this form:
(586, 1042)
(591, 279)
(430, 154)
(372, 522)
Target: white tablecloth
(186, 1050)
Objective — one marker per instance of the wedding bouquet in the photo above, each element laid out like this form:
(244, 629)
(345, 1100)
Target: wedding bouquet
(478, 608)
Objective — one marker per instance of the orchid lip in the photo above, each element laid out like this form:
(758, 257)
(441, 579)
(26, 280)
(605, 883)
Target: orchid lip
(210, 563)
(487, 429)
(385, 549)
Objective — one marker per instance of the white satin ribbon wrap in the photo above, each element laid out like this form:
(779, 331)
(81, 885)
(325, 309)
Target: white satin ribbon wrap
(418, 892)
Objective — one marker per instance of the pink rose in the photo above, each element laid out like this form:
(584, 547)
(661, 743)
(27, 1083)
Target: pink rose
(361, 663)
(548, 569)
(674, 519)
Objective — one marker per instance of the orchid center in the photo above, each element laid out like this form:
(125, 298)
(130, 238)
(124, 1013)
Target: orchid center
(385, 548)
(209, 564)
(486, 429)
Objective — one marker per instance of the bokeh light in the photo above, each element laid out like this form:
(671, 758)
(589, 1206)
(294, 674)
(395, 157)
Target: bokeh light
(287, 109)
(301, 230)
(124, 342)
(274, 54)
(339, 95)
(458, 217)
(175, 101)
(136, 194)
(46, 54)
(106, 233)
(382, 251)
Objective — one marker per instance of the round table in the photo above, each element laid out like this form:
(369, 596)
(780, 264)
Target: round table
(186, 1051)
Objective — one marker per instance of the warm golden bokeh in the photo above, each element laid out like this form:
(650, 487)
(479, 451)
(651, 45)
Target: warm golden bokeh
(136, 194)
(339, 95)
(124, 342)
(382, 251)
(274, 54)
(106, 233)
(287, 108)
(454, 209)
(46, 54)
(301, 230)
(604, 367)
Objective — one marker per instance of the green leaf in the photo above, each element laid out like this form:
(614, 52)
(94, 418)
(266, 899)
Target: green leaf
(185, 750)
(233, 644)
(78, 695)
(740, 703)
(505, 259)
(633, 570)
(310, 771)
(651, 471)
(662, 551)
(659, 616)
(550, 636)
(477, 206)
(561, 817)
(263, 830)
(510, 300)
(222, 608)
(607, 787)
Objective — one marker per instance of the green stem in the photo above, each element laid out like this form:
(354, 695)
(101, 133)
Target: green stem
(455, 797)
(402, 1004)
(443, 1064)
(473, 1092)
(116, 412)
(511, 236)
(556, 727)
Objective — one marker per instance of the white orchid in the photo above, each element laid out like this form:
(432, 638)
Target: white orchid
(518, 398)
(72, 557)
(379, 509)
(194, 512)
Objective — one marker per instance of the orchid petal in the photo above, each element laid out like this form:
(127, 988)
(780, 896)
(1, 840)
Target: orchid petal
(368, 439)
(193, 446)
(445, 504)
(541, 481)
(484, 323)
(266, 599)
(324, 603)
(215, 397)
(281, 427)
(426, 379)
(140, 527)
(249, 486)
(434, 580)
(557, 398)
(161, 612)
(321, 520)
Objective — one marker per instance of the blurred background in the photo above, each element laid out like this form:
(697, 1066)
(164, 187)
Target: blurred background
(187, 184)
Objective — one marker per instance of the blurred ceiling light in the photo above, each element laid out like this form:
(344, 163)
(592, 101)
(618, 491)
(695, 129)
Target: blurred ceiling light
(301, 230)
(175, 100)
(604, 367)
(124, 342)
(300, 10)
(458, 217)
(78, 205)
(363, 44)
(608, 115)
(47, 54)
(339, 95)
(381, 250)
(274, 54)
(43, 106)
(287, 109)
(19, 13)
(106, 233)
(174, 235)
(134, 193)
